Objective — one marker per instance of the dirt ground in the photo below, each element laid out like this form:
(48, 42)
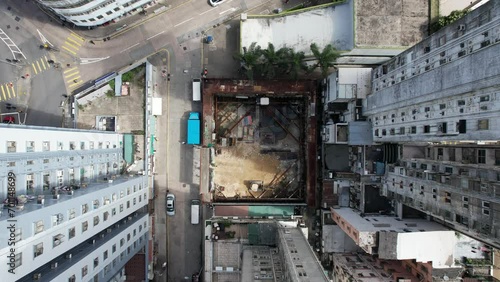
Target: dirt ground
(243, 162)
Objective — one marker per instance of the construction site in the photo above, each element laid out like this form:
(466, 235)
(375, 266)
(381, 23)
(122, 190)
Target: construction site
(263, 136)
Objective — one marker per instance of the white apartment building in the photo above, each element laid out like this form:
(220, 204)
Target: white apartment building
(73, 216)
(92, 12)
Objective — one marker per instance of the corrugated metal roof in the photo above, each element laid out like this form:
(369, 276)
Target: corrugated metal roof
(270, 210)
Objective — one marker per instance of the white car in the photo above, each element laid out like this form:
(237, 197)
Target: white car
(170, 204)
(215, 3)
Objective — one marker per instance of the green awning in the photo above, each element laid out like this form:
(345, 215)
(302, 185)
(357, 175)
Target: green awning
(128, 148)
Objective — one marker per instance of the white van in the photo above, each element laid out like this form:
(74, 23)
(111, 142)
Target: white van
(195, 211)
(196, 89)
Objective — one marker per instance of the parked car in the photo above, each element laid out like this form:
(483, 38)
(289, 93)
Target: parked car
(215, 3)
(170, 204)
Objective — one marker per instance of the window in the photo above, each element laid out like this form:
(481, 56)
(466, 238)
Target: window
(128, 191)
(109, 13)
(448, 169)
(96, 220)
(71, 232)
(427, 109)
(38, 250)
(96, 204)
(413, 130)
(134, 201)
(92, 20)
(11, 147)
(91, 145)
(85, 270)
(30, 146)
(481, 156)
(462, 126)
(486, 204)
(38, 226)
(485, 98)
(46, 146)
(60, 146)
(128, 236)
(96, 262)
(82, 145)
(122, 242)
(113, 248)
(401, 130)
(85, 208)
(57, 240)
(99, 17)
(72, 278)
(442, 106)
(427, 128)
(461, 102)
(18, 260)
(486, 212)
(113, 211)
(85, 226)
(105, 255)
(121, 207)
(105, 216)
(71, 214)
(128, 204)
(72, 145)
(483, 124)
(57, 219)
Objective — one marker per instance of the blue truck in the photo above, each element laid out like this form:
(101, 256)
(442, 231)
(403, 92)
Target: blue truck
(193, 129)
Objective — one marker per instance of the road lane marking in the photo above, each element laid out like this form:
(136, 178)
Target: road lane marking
(228, 10)
(206, 12)
(3, 92)
(8, 91)
(73, 79)
(74, 41)
(34, 68)
(183, 22)
(76, 84)
(38, 64)
(71, 46)
(13, 91)
(77, 36)
(67, 49)
(72, 74)
(43, 64)
(129, 47)
(155, 35)
(71, 69)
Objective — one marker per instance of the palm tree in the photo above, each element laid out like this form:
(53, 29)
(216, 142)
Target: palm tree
(273, 61)
(249, 59)
(295, 63)
(325, 59)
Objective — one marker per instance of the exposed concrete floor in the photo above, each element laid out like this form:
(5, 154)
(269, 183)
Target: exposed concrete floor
(390, 22)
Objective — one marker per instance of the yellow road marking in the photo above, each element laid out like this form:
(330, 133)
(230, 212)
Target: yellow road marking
(3, 92)
(77, 37)
(71, 46)
(72, 74)
(43, 65)
(73, 79)
(76, 84)
(67, 49)
(13, 91)
(8, 91)
(71, 69)
(34, 68)
(38, 64)
(74, 41)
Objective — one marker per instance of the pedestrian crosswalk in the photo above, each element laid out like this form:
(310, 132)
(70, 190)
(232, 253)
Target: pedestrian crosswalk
(72, 77)
(8, 91)
(40, 65)
(73, 43)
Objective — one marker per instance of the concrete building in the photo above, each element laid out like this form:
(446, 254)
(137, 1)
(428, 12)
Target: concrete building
(392, 238)
(362, 267)
(438, 101)
(70, 214)
(91, 13)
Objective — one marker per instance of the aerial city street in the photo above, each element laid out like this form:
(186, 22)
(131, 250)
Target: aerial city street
(250, 140)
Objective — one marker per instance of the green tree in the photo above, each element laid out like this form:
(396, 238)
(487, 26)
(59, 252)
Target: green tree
(296, 63)
(274, 61)
(446, 20)
(324, 59)
(249, 59)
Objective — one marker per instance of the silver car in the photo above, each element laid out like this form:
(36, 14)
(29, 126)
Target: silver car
(170, 204)
(216, 2)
